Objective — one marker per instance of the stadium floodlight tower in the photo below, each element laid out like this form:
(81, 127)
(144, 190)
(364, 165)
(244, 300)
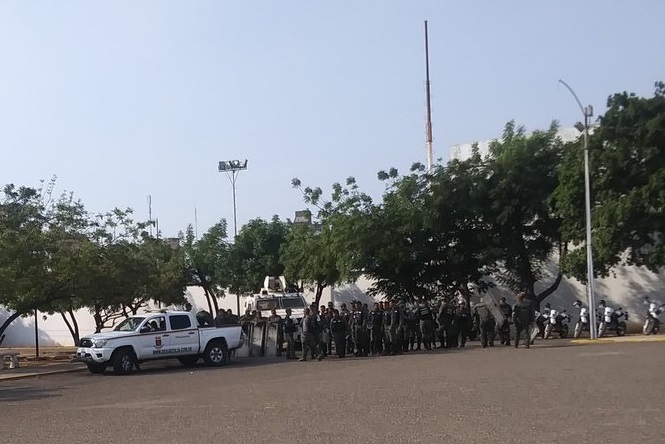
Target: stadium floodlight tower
(232, 168)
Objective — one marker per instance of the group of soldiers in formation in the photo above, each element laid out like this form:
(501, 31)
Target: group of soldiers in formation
(392, 328)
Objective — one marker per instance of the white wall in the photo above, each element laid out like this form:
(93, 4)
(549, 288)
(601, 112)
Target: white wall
(627, 288)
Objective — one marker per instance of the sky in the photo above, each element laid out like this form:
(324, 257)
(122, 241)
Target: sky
(123, 100)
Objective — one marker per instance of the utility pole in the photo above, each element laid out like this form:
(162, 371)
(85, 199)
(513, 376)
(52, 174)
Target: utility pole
(232, 168)
(150, 213)
(36, 335)
(587, 112)
(196, 224)
(428, 142)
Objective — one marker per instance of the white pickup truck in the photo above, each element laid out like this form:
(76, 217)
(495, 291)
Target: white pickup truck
(160, 335)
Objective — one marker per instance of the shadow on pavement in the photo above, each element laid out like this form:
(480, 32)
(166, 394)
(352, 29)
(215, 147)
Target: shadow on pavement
(25, 393)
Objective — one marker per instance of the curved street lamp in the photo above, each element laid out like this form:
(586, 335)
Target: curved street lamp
(587, 112)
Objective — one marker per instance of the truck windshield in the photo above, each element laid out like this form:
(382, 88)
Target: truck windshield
(293, 303)
(129, 324)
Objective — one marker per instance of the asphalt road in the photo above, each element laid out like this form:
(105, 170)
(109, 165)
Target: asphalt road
(580, 394)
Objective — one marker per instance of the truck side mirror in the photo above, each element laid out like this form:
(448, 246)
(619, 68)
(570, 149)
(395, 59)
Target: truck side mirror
(145, 329)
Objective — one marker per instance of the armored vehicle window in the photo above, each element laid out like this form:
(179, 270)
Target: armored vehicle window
(267, 304)
(293, 303)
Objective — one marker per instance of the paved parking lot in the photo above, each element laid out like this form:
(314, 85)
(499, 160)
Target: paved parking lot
(548, 394)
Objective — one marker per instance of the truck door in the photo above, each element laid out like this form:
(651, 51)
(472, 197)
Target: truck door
(184, 337)
(153, 339)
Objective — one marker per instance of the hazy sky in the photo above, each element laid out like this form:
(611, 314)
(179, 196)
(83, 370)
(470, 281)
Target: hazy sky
(127, 99)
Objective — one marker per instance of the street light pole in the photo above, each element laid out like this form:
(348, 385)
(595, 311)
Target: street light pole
(232, 168)
(587, 112)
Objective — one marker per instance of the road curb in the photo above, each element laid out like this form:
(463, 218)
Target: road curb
(628, 340)
(38, 374)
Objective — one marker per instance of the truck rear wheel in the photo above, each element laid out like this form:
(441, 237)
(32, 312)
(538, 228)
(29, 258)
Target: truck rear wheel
(123, 361)
(216, 353)
(188, 361)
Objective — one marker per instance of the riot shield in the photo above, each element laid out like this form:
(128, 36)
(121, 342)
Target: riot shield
(493, 305)
(492, 301)
(270, 340)
(257, 338)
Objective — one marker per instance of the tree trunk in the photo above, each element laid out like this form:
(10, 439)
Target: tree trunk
(212, 296)
(551, 289)
(210, 310)
(72, 326)
(99, 322)
(9, 320)
(205, 285)
(319, 293)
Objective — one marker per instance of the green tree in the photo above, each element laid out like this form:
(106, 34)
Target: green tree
(68, 229)
(309, 259)
(128, 269)
(627, 157)
(36, 267)
(401, 260)
(521, 174)
(342, 220)
(464, 250)
(255, 254)
(207, 261)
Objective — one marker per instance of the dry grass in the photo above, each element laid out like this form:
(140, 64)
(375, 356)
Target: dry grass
(47, 355)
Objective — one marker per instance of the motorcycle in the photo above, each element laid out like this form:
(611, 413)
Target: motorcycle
(583, 322)
(612, 320)
(557, 323)
(652, 322)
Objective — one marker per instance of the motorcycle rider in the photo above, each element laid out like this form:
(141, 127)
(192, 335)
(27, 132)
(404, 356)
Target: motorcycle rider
(504, 328)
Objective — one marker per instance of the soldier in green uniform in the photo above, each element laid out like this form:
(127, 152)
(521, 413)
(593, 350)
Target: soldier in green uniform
(387, 319)
(290, 328)
(486, 323)
(339, 328)
(375, 329)
(464, 321)
(426, 327)
(446, 318)
(523, 317)
(275, 319)
(310, 331)
(359, 330)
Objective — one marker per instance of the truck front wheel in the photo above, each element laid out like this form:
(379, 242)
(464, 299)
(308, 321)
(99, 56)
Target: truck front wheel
(216, 353)
(123, 361)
